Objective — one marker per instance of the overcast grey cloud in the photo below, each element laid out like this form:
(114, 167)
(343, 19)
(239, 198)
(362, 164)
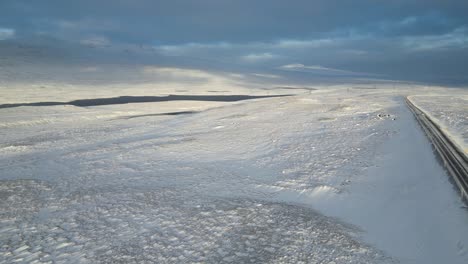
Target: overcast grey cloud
(424, 40)
(6, 33)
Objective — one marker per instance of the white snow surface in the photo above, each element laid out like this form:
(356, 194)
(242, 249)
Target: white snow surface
(449, 112)
(329, 176)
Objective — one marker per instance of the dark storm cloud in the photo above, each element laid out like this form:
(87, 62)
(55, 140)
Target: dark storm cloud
(179, 21)
(397, 39)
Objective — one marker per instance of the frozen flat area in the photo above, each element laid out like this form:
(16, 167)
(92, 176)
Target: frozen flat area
(329, 176)
(450, 112)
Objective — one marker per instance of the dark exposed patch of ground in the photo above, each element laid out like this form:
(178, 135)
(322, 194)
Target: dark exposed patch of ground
(144, 99)
(160, 114)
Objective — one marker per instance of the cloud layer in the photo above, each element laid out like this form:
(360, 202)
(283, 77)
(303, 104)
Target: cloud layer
(423, 40)
(6, 33)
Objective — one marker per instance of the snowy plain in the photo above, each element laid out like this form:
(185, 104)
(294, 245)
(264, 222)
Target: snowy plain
(340, 174)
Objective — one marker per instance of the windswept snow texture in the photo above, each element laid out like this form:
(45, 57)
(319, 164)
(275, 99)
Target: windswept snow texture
(328, 177)
(450, 112)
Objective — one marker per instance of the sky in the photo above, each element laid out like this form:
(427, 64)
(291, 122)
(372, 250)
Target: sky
(424, 40)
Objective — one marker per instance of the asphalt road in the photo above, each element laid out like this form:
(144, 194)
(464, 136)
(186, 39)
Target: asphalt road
(453, 158)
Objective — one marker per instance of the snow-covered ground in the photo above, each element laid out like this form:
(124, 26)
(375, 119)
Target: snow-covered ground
(338, 175)
(450, 112)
